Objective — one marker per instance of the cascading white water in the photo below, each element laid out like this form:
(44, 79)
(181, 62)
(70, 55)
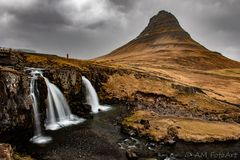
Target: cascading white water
(58, 111)
(92, 98)
(38, 136)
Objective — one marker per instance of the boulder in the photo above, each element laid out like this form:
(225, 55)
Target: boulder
(131, 155)
(6, 152)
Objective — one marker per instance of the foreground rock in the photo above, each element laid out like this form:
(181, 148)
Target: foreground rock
(6, 152)
(168, 129)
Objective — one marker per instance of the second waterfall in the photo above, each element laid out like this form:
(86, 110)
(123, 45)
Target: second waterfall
(92, 98)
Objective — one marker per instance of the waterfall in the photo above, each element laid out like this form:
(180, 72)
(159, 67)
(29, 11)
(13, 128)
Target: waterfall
(38, 137)
(92, 98)
(58, 111)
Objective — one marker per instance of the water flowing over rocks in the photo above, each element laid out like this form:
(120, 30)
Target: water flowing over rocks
(16, 104)
(69, 82)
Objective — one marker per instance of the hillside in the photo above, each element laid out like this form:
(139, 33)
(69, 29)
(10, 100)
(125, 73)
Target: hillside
(165, 49)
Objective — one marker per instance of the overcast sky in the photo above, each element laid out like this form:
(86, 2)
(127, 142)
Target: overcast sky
(90, 28)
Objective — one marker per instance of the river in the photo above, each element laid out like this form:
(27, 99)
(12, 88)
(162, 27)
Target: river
(100, 138)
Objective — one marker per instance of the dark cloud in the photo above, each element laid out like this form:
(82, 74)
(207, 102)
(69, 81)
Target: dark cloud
(90, 28)
(41, 15)
(125, 5)
(42, 18)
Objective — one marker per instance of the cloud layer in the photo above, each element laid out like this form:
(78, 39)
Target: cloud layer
(90, 28)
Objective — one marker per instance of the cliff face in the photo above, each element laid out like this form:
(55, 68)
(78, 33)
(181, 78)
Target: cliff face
(15, 102)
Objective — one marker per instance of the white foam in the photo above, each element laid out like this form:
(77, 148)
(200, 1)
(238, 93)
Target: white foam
(72, 120)
(40, 139)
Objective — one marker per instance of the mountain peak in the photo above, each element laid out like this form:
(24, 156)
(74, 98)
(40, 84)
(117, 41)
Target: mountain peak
(164, 15)
(163, 23)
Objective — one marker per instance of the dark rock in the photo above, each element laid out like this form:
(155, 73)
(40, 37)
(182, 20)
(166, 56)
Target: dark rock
(81, 109)
(187, 89)
(164, 23)
(172, 135)
(68, 80)
(41, 94)
(145, 123)
(6, 152)
(87, 107)
(3, 93)
(5, 59)
(42, 88)
(15, 102)
(127, 130)
(10, 58)
(131, 155)
(170, 142)
(151, 144)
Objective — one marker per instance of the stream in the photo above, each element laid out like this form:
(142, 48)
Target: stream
(100, 138)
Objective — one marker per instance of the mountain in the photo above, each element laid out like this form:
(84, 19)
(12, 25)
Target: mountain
(165, 49)
(164, 42)
(176, 77)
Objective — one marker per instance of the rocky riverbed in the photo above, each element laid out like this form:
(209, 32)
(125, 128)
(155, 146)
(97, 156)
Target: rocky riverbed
(101, 138)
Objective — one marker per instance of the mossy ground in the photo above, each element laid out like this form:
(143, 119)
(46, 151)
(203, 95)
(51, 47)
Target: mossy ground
(186, 129)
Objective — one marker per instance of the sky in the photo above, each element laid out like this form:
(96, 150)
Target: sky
(91, 28)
